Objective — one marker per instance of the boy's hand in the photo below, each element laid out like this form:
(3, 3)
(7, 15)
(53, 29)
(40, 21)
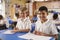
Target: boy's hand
(39, 33)
(34, 32)
(42, 34)
(14, 31)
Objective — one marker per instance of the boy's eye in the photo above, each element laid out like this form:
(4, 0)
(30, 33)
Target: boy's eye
(43, 13)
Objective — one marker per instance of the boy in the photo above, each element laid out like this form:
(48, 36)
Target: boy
(45, 27)
(23, 24)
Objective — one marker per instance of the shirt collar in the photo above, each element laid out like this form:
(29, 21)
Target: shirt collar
(45, 22)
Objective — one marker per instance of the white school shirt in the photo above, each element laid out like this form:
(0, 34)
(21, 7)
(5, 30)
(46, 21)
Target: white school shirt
(2, 21)
(7, 22)
(56, 21)
(23, 23)
(46, 27)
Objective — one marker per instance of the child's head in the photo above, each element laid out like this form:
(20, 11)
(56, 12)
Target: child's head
(17, 15)
(25, 11)
(55, 16)
(43, 12)
(22, 15)
(1, 17)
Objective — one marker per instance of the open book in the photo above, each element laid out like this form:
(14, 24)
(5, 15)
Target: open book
(31, 36)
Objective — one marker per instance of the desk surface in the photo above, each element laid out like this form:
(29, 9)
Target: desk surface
(12, 36)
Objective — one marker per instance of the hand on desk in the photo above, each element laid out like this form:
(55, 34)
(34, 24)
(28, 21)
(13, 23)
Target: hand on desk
(39, 33)
(44, 34)
(14, 31)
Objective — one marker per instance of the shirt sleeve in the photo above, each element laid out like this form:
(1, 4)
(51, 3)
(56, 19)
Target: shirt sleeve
(37, 26)
(19, 25)
(28, 25)
(53, 29)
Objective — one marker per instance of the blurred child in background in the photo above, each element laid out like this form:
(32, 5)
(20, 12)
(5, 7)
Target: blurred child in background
(24, 23)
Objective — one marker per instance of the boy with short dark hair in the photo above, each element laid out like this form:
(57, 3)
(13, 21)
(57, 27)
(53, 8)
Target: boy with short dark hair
(45, 27)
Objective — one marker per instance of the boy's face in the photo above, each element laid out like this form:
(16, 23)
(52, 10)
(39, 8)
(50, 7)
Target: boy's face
(25, 13)
(43, 15)
(22, 15)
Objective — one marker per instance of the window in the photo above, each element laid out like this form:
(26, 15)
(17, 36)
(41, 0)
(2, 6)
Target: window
(0, 1)
(0, 8)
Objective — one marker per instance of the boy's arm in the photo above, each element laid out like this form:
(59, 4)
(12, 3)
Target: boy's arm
(43, 34)
(20, 30)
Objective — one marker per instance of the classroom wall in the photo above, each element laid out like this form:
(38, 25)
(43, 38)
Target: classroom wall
(50, 5)
(11, 8)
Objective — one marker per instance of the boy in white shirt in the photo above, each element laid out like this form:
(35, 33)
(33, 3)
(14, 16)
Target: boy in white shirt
(2, 23)
(56, 19)
(45, 27)
(23, 24)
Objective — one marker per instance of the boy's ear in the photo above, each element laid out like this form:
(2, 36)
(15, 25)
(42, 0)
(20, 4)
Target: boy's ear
(47, 13)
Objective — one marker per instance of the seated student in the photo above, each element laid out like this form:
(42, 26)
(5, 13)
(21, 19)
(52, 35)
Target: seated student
(56, 19)
(23, 24)
(45, 27)
(17, 17)
(35, 18)
(2, 23)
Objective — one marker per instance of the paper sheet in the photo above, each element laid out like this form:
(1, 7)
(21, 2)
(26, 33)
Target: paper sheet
(8, 32)
(34, 37)
(58, 27)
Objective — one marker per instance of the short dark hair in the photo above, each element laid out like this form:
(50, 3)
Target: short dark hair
(17, 14)
(23, 9)
(43, 8)
(55, 16)
(1, 17)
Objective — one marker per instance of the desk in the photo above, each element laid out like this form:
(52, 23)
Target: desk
(12, 36)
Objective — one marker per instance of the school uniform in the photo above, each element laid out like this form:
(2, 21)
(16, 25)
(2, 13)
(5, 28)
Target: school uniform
(57, 23)
(1, 21)
(2, 24)
(47, 27)
(6, 22)
(24, 23)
